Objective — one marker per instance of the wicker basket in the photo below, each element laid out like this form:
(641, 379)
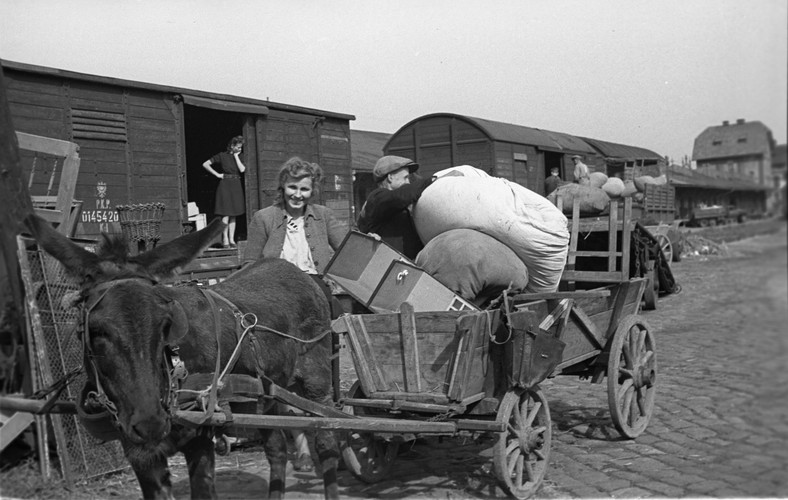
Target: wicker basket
(141, 223)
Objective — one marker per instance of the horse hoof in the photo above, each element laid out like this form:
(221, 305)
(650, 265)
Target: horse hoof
(222, 445)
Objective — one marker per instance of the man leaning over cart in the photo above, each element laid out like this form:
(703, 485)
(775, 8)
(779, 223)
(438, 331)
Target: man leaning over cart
(386, 212)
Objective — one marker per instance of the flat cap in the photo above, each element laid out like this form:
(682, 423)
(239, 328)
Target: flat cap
(388, 164)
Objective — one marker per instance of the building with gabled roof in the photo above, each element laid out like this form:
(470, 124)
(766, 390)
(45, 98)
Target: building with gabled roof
(742, 150)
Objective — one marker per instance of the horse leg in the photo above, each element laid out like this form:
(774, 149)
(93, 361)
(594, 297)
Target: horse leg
(275, 446)
(154, 478)
(328, 456)
(201, 462)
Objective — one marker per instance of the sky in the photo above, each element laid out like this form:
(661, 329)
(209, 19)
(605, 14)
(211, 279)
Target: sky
(652, 74)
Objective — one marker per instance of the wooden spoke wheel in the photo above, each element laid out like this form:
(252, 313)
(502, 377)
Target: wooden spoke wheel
(651, 292)
(631, 376)
(666, 246)
(366, 456)
(521, 455)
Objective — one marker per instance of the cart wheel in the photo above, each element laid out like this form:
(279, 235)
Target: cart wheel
(521, 455)
(631, 376)
(651, 292)
(366, 456)
(666, 246)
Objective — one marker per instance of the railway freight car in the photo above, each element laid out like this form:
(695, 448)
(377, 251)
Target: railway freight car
(145, 142)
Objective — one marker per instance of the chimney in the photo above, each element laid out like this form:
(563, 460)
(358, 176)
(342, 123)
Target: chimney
(725, 123)
(740, 121)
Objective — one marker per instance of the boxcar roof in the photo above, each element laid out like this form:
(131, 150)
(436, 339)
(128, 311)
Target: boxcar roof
(226, 98)
(622, 151)
(519, 134)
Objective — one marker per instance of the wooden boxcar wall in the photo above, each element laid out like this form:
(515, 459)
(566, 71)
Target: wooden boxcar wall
(442, 142)
(326, 141)
(132, 146)
(127, 143)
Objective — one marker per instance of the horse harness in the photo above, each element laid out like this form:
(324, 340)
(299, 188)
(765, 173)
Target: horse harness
(104, 423)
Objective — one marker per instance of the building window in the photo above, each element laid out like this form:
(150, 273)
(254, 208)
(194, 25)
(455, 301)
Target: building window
(716, 142)
(742, 140)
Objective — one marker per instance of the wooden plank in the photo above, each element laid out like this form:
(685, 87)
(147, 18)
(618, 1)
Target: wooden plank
(586, 323)
(12, 425)
(626, 237)
(377, 380)
(397, 405)
(46, 145)
(410, 348)
(618, 308)
(366, 424)
(593, 276)
(612, 237)
(575, 294)
(473, 378)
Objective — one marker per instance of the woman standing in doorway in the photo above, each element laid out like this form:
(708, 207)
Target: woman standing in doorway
(229, 204)
(303, 233)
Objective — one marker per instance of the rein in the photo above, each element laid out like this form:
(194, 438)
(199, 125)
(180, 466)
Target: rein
(245, 322)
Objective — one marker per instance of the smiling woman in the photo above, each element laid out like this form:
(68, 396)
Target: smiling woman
(302, 233)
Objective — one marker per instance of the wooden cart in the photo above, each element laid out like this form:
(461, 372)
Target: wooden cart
(616, 248)
(473, 371)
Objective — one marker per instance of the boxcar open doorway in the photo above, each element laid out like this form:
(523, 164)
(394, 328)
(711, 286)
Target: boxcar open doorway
(207, 132)
(554, 160)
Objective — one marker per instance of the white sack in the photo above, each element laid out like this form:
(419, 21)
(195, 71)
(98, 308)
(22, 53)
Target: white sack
(523, 220)
(597, 179)
(614, 187)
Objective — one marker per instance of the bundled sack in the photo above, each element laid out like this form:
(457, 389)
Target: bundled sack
(475, 266)
(614, 187)
(592, 200)
(523, 220)
(629, 189)
(597, 179)
(643, 180)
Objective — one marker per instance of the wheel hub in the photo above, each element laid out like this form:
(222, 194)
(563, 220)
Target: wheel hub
(645, 375)
(530, 439)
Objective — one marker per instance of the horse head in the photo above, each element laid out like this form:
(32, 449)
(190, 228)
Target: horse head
(129, 319)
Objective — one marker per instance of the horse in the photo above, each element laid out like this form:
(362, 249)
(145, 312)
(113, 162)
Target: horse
(132, 320)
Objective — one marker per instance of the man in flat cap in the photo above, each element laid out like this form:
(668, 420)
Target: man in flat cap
(386, 211)
(581, 170)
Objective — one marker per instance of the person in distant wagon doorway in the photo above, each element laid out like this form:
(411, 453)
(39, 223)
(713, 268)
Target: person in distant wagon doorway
(228, 167)
(581, 170)
(386, 212)
(552, 182)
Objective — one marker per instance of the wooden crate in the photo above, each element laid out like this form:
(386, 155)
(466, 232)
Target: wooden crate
(429, 357)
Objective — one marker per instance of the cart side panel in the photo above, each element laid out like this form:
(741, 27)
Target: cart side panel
(594, 320)
(436, 341)
(423, 353)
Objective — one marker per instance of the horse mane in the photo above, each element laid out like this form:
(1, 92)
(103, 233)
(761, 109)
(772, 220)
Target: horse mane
(116, 262)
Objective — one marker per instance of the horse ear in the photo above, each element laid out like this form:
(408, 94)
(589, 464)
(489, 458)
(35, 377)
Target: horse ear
(180, 322)
(76, 260)
(163, 261)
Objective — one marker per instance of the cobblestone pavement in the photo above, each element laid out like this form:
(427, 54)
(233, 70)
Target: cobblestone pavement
(719, 429)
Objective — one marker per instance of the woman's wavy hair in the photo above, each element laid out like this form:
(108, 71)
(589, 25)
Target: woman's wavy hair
(238, 139)
(296, 168)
